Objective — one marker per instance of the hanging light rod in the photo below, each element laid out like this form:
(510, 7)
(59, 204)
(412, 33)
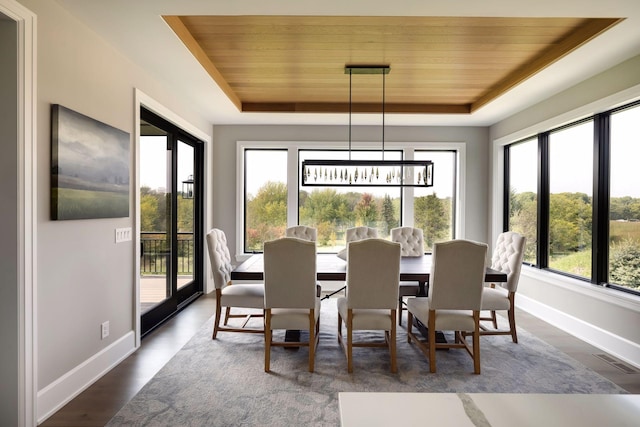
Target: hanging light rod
(363, 173)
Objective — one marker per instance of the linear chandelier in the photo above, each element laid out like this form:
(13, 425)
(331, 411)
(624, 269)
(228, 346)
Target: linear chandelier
(363, 173)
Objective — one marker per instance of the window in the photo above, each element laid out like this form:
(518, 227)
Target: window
(570, 200)
(434, 207)
(269, 197)
(587, 200)
(265, 197)
(331, 210)
(523, 194)
(624, 210)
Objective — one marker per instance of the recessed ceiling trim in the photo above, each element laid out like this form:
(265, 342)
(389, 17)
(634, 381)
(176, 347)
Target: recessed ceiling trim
(177, 25)
(447, 65)
(582, 35)
(343, 107)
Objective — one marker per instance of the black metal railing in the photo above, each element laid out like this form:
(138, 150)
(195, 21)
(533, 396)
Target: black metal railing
(154, 250)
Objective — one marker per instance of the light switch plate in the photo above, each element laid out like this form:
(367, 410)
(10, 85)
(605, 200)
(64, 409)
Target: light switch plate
(104, 329)
(123, 234)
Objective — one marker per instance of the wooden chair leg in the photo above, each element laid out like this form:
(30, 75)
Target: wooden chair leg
(494, 319)
(216, 322)
(409, 325)
(312, 339)
(267, 340)
(512, 325)
(432, 340)
(350, 341)
(226, 315)
(476, 343)
(392, 343)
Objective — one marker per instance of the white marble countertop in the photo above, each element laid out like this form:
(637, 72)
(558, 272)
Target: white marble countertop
(488, 409)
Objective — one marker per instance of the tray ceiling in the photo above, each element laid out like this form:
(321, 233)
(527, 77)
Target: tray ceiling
(450, 65)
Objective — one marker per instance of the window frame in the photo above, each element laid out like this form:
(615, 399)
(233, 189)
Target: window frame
(243, 235)
(600, 195)
(506, 195)
(293, 177)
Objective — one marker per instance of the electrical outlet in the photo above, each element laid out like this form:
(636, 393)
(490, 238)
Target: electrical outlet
(104, 329)
(123, 234)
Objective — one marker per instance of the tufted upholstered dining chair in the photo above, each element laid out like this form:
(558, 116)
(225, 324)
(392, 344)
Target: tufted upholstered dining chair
(302, 232)
(507, 257)
(357, 233)
(291, 294)
(411, 241)
(373, 272)
(360, 233)
(227, 294)
(455, 299)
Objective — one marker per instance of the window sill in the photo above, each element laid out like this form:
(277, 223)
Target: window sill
(606, 294)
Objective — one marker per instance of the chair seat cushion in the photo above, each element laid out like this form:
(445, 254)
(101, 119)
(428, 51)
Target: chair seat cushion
(293, 318)
(446, 320)
(495, 299)
(243, 295)
(366, 319)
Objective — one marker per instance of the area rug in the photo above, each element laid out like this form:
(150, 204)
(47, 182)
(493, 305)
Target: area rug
(222, 382)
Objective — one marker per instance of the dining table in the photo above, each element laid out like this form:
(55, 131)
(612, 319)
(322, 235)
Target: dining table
(330, 267)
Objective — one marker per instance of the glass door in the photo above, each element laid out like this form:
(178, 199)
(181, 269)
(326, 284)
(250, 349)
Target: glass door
(170, 219)
(185, 215)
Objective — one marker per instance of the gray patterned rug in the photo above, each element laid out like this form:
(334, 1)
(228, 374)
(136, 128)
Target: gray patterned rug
(222, 382)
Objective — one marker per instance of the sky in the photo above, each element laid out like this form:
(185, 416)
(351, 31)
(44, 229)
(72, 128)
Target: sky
(571, 159)
(153, 162)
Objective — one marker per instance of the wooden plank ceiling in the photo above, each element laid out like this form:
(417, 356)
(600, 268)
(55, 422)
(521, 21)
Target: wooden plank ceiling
(438, 64)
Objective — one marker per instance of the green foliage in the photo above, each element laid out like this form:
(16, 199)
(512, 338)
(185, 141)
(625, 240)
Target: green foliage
(626, 208)
(326, 206)
(577, 263)
(570, 222)
(389, 214)
(624, 263)
(620, 230)
(366, 210)
(433, 215)
(571, 232)
(266, 215)
(149, 213)
(185, 215)
(328, 211)
(153, 210)
(523, 219)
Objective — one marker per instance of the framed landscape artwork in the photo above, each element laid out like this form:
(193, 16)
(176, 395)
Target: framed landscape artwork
(89, 167)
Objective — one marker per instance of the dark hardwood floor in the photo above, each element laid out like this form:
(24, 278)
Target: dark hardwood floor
(100, 402)
(97, 405)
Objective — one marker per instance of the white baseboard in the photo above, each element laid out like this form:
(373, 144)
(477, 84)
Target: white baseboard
(64, 389)
(615, 345)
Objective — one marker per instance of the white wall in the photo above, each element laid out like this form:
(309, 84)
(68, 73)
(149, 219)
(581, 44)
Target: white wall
(606, 318)
(9, 363)
(84, 277)
(224, 163)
